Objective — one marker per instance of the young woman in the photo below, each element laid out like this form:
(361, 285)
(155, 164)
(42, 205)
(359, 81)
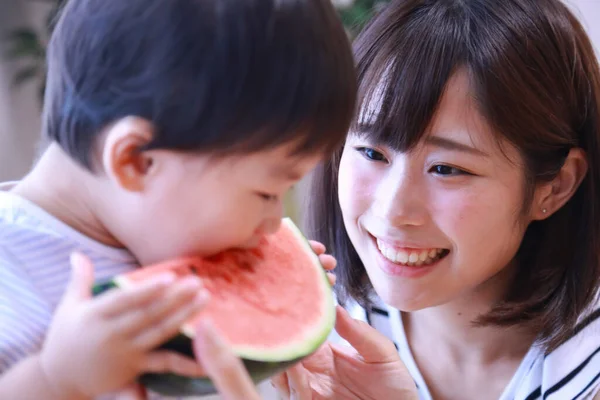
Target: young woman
(464, 209)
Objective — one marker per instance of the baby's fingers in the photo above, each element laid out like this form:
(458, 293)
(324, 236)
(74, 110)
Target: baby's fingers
(164, 320)
(132, 392)
(123, 300)
(170, 362)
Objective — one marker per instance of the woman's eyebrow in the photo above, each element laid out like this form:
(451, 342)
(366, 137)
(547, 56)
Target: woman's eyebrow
(453, 145)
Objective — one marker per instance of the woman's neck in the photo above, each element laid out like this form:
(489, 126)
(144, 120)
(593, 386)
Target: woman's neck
(460, 360)
(451, 327)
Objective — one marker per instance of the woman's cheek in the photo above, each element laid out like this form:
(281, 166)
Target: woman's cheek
(471, 217)
(355, 188)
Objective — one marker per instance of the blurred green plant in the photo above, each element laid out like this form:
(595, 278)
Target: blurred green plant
(356, 13)
(28, 46)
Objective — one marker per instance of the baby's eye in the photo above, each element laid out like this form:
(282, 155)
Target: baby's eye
(268, 197)
(371, 154)
(447, 170)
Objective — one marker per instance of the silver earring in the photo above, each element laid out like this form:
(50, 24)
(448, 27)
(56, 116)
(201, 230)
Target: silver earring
(544, 210)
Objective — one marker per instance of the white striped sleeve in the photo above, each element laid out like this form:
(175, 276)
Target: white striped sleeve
(24, 316)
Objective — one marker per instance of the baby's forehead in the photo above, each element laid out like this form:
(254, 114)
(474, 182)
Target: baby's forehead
(281, 163)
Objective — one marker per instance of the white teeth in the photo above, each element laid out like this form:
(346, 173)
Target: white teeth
(422, 257)
(401, 257)
(389, 253)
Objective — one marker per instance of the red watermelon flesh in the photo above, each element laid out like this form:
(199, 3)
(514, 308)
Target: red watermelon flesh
(272, 303)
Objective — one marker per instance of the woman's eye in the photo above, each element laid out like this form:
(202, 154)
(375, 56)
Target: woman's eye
(447, 170)
(371, 154)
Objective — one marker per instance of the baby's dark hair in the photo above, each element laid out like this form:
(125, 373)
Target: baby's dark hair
(210, 75)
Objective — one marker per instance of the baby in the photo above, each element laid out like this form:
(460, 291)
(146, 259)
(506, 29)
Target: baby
(175, 128)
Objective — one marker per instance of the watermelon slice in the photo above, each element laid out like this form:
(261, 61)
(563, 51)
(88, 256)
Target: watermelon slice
(273, 304)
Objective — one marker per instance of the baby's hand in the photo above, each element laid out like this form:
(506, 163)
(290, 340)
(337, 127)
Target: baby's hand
(100, 345)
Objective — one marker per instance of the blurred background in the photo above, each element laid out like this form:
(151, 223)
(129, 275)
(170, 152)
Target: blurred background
(25, 26)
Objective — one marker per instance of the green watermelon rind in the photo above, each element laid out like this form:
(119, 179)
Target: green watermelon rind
(260, 364)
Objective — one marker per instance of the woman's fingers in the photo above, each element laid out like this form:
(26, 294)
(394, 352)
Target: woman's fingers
(373, 346)
(328, 261)
(318, 247)
(331, 278)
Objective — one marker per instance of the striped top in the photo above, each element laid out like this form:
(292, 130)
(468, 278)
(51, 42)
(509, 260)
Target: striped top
(571, 372)
(34, 270)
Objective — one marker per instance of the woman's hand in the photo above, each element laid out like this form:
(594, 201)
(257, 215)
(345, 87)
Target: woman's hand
(327, 260)
(372, 369)
(225, 369)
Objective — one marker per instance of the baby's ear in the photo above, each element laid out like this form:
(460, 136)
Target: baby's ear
(123, 158)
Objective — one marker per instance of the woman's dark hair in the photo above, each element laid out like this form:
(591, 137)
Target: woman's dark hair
(536, 80)
(222, 75)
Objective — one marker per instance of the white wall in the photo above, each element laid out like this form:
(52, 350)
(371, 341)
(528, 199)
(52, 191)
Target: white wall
(588, 12)
(19, 106)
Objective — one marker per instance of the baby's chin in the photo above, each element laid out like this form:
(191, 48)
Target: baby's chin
(253, 243)
(161, 250)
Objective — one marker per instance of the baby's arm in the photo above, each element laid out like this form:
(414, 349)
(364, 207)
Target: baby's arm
(27, 381)
(24, 316)
(122, 329)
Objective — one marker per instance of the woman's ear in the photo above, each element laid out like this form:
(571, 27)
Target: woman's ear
(551, 196)
(122, 159)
